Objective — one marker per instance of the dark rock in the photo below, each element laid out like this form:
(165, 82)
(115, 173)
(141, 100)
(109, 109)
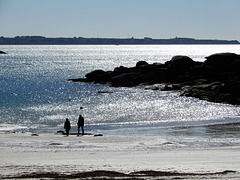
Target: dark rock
(126, 80)
(2, 52)
(180, 63)
(210, 92)
(105, 92)
(55, 144)
(97, 76)
(78, 80)
(221, 59)
(60, 132)
(217, 79)
(141, 63)
(223, 62)
(178, 68)
(232, 89)
(120, 70)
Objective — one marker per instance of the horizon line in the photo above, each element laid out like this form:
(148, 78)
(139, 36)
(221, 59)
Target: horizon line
(146, 37)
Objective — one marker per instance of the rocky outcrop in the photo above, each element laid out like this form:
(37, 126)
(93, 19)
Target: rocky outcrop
(2, 52)
(217, 79)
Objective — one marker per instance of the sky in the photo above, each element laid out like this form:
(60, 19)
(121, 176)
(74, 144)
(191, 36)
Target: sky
(161, 19)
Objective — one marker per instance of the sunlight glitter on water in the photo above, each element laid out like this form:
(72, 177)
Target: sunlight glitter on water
(34, 90)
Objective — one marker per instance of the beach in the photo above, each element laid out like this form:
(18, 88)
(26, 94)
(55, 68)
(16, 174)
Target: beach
(130, 133)
(50, 155)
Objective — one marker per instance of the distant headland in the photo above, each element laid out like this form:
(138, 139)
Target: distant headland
(40, 40)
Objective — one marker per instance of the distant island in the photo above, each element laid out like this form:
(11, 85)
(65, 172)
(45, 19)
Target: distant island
(40, 40)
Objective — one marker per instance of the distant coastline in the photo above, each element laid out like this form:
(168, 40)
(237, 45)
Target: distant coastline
(40, 40)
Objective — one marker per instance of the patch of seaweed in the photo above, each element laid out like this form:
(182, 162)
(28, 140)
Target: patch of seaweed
(101, 174)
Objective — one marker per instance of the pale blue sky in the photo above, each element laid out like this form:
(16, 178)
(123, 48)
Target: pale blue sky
(201, 19)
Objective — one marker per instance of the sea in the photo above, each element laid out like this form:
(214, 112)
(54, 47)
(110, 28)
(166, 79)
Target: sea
(36, 97)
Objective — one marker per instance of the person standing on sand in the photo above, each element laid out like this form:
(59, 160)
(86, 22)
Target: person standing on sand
(67, 126)
(80, 124)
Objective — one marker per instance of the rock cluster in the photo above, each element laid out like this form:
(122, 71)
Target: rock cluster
(217, 79)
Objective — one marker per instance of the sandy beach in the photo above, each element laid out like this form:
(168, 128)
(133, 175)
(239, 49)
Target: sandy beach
(147, 133)
(26, 155)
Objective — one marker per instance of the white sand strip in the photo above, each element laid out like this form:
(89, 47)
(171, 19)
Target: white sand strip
(16, 158)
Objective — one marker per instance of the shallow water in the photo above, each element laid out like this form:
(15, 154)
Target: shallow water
(35, 96)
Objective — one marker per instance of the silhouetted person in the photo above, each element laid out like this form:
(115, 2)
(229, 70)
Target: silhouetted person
(67, 126)
(80, 124)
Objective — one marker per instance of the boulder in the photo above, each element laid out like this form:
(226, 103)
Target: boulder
(232, 88)
(2, 52)
(222, 60)
(180, 62)
(141, 63)
(98, 76)
(123, 80)
(221, 57)
(210, 92)
(120, 70)
(178, 68)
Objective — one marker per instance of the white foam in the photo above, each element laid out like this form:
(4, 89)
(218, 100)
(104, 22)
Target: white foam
(10, 127)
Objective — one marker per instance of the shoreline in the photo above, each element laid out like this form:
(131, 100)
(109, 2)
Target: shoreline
(131, 157)
(221, 163)
(100, 174)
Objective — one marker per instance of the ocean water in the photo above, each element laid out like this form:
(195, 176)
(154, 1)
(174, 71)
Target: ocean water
(35, 95)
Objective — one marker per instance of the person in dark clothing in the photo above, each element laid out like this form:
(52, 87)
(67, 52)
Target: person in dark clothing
(80, 124)
(67, 126)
